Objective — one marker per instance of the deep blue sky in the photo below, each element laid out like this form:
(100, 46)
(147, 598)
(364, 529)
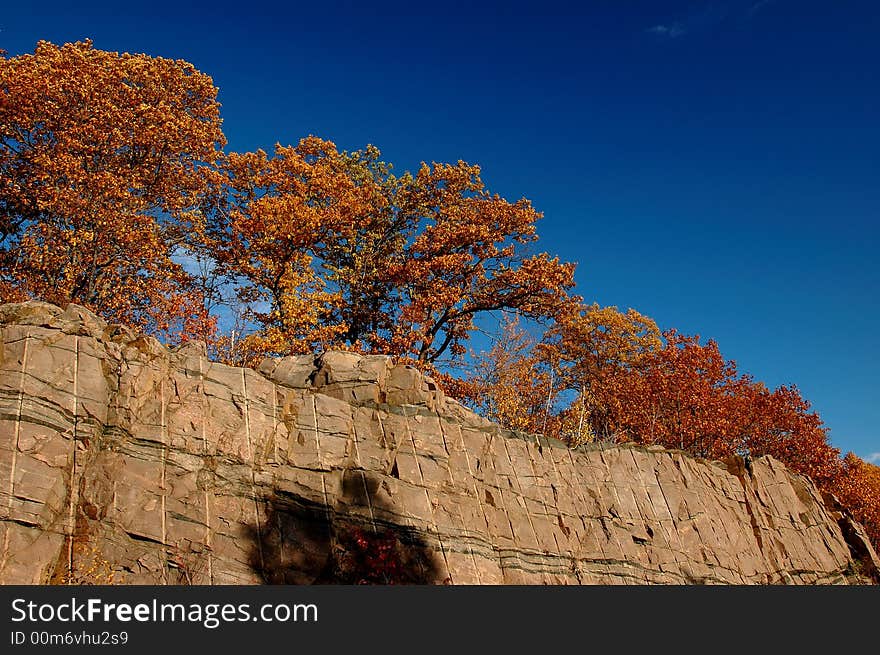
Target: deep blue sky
(713, 164)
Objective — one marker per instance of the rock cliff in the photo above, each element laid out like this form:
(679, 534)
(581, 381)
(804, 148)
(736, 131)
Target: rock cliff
(124, 461)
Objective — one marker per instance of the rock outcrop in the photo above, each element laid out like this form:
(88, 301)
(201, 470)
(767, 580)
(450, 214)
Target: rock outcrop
(124, 461)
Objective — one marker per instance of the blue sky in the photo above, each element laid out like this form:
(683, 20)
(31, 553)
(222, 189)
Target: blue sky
(713, 164)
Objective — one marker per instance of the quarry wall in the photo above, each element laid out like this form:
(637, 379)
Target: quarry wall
(124, 461)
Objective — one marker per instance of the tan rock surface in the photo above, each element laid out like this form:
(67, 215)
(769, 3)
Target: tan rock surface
(124, 459)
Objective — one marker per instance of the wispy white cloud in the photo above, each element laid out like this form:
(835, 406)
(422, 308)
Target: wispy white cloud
(708, 15)
(874, 458)
(756, 7)
(671, 31)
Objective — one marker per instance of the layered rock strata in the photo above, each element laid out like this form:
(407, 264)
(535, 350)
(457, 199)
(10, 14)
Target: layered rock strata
(123, 461)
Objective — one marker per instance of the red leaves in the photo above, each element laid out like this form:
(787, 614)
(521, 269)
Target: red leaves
(686, 395)
(372, 558)
(629, 385)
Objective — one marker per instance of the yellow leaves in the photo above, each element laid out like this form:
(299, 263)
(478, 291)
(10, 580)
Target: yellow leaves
(507, 384)
(585, 341)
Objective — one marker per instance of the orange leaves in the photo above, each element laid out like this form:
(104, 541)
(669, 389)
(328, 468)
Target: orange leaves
(400, 265)
(586, 341)
(101, 163)
(269, 236)
(857, 486)
(112, 175)
(468, 259)
(589, 348)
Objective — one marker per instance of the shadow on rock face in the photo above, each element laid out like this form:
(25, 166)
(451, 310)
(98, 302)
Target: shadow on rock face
(303, 542)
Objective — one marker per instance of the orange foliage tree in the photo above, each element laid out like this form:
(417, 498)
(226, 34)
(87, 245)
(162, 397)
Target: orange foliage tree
(780, 423)
(342, 253)
(274, 218)
(587, 348)
(508, 384)
(857, 486)
(469, 256)
(686, 395)
(101, 170)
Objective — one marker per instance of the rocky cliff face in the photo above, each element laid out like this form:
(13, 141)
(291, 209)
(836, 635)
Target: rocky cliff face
(121, 460)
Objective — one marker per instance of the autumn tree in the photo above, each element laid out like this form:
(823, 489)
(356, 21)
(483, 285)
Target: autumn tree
(616, 377)
(101, 169)
(686, 395)
(344, 254)
(677, 398)
(470, 256)
(781, 423)
(857, 486)
(508, 383)
(587, 348)
(275, 216)
(589, 340)
(357, 262)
